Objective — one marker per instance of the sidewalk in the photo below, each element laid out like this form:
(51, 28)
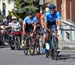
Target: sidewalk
(66, 44)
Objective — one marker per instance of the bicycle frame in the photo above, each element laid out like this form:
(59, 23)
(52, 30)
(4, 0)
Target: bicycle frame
(28, 45)
(52, 45)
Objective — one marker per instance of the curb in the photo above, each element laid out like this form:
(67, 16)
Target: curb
(67, 47)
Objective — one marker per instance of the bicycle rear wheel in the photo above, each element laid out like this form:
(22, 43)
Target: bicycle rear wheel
(17, 42)
(28, 48)
(47, 53)
(25, 47)
(25, 51)
(37, 46)
(12, 46)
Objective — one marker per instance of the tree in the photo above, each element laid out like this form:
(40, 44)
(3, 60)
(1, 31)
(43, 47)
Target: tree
(23, 6)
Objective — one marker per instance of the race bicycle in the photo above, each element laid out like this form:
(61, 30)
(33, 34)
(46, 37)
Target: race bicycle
(52, 46)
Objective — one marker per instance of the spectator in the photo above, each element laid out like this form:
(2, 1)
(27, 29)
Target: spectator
(9, 17)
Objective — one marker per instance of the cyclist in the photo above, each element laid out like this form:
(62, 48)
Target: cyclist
(29, 26)
(14, 25)
(45, 10)
(38, 23)
(43, 24)
(9, 18)
(52, 19)
(29, 23)
(14, 28)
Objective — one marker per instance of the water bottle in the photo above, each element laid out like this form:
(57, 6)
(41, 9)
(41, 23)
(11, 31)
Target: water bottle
(47, 46)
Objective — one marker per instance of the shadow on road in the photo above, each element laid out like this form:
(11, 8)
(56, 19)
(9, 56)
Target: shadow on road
(4, 46)
(66, 56)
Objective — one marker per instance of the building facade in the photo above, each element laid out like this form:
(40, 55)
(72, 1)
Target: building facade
(6, 6)
(67, 10)
(66, 7)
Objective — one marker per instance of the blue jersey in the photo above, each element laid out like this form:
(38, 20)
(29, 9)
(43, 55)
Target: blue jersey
(29, 20)
(52, 17)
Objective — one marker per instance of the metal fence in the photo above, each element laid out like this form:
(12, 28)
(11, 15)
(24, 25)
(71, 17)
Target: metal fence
(68, 30)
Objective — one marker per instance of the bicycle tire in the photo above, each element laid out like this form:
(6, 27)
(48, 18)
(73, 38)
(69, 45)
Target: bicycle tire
(25, 48)
(47, 53)
(31, 48)
(54, 50)
(18, 42)
(3, 39)
(25, 51)
(12, 48)
(12, 44)
(38, 50)
(37, 47)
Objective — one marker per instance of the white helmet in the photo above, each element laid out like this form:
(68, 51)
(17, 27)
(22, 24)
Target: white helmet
(47, 9)
(13, 17)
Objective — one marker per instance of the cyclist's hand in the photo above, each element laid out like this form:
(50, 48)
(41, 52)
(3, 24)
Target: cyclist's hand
(45, 30)
(59, 31)
(24, 33)
(58, 28)
(31, 34)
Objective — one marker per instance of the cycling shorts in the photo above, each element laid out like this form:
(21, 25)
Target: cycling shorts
(51, 25)
(29, 28)
(39, 30)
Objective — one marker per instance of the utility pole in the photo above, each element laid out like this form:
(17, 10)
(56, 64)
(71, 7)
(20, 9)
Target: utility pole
(41, 3)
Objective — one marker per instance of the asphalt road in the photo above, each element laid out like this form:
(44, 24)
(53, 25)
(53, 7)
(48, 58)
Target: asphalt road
(17, 57)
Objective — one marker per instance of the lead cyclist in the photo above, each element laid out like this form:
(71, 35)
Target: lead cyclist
(52, 20)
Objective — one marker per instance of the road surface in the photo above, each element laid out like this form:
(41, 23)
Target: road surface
(17, 57)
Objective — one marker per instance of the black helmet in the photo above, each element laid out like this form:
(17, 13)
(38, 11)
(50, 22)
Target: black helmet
(52, 6)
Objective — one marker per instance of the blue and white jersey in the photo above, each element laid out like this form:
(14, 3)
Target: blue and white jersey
(29, 20)
(52, 17)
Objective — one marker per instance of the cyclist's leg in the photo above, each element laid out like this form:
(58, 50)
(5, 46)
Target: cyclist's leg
(23, 38)
(22, 41)
(31, 34)
(44, 39)
(53, 28)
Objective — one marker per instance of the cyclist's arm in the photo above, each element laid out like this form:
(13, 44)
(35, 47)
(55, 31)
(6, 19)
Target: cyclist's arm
(42, 21)
(58, 22)
(24, 25)
(9, 25)
(34, 27)
(34, 21)
(19, 26)
(45, 18)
